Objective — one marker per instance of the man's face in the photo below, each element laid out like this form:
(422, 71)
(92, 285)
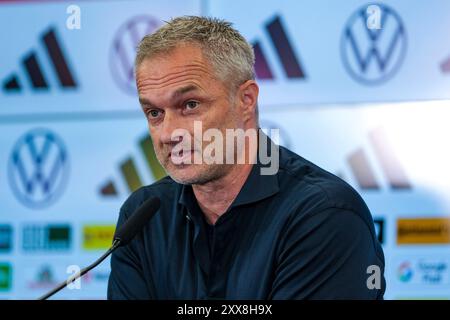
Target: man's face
(176, 89)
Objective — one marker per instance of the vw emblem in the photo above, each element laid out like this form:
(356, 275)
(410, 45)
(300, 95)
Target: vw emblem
(123, 50)
(373, 55)
(38, 168)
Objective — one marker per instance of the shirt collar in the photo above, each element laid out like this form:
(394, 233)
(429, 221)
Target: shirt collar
(257, 186)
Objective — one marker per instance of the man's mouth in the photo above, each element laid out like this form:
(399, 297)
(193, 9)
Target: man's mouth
(181, 156)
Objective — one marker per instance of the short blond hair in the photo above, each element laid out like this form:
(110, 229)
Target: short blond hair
(227, 51)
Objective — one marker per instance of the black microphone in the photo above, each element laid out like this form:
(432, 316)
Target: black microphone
(123, 235)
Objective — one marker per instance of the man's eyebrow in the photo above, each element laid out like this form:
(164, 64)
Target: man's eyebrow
(145, 101)
(184, 90)
(176, 94)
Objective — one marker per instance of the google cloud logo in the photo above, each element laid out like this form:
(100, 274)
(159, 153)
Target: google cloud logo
(405, 272)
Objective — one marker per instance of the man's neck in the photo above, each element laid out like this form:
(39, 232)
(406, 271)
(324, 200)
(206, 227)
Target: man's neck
(215, 197)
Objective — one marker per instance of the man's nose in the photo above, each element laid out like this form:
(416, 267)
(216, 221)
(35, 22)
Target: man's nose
(171, 129)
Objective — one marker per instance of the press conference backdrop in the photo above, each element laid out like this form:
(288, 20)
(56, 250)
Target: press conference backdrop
(367, 102)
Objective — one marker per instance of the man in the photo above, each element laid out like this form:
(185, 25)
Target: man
(229, 229)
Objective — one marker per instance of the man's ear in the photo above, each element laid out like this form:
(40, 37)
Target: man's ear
(248, 98)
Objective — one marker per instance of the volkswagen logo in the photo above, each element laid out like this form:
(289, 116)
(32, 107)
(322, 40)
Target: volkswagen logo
(38, 168)
(373, 56)
(123, 50)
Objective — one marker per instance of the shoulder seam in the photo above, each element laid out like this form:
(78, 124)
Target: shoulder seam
(292, 174)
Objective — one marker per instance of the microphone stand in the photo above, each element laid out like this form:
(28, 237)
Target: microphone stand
(82, 272)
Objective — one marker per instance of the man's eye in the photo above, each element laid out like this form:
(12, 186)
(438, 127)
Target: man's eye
(153, 113)
(191, 105)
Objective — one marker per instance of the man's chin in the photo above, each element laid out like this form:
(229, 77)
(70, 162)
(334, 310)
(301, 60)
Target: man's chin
(189, 174)
(184, 174)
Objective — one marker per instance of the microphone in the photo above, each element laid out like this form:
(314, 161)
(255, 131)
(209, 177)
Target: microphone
(123, 235)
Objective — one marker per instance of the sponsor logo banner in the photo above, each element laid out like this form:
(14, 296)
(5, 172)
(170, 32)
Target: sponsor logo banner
(97, 237)
(52, 237)
(423, 271)
(5, 238)
(423, 231)
(5, 276)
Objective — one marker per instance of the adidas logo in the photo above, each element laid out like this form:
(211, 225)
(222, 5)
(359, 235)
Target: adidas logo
(130, 172)
(389, 164)
(284, 50)
(33, 69)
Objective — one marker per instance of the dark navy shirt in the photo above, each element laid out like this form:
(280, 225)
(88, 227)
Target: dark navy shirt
(302, 233)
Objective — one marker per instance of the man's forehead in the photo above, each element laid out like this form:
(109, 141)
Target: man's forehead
(160, 71)
(174, 93)
(155, 74)
(181, 70)
(179, 59)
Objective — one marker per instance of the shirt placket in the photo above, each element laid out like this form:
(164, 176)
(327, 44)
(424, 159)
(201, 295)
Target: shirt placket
(222, 243)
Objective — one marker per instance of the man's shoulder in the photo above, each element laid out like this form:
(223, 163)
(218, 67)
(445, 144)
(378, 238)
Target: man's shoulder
(317, 188)
(165, 189)
(320, 192)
